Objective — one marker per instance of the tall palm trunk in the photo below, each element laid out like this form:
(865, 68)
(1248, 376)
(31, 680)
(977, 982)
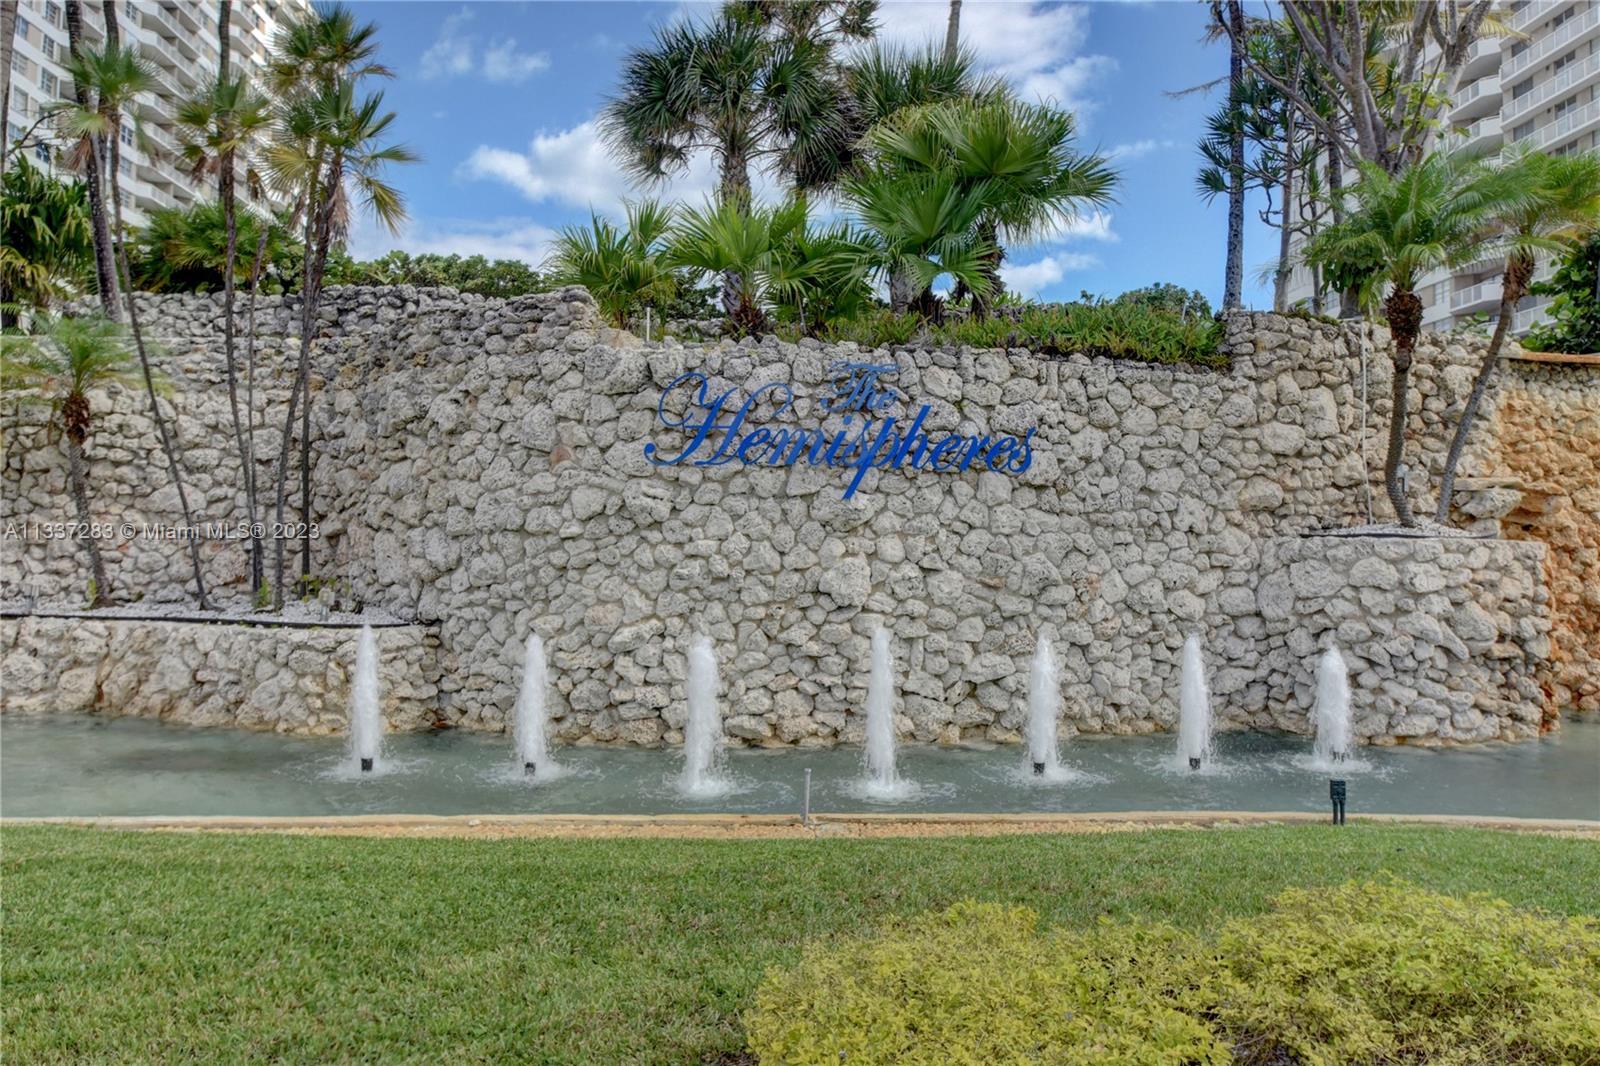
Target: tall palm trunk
(992, 259)
(105, 269)
(952, 32)
(75, 416)
(1233, 285)
(734, 187)
(1280, 277)
(1519, 271)
(1403, 309)
(251, 497)
(1349, 296)
(167, 447)
(317, 237)
(224, 42)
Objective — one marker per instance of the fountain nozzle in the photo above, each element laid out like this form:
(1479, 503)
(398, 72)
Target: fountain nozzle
(366, 766)
(1038, 769)
(1340, 756)
(529, 768)
(1194, 762)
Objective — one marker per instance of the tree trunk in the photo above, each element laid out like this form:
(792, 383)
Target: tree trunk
(251, 497)
(1280, 277)
(1350, 296)
(167, 447)
(1233, 285)
(952, 32)
(1404, 311)
(734, 187)
(105, 269)
(79, 482)
(1519, 269)
(991, 270)
(224, 43)
(8, 34)
(301, 392)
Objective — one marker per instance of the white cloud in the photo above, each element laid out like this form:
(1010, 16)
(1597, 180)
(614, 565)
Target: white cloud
(454, 53)
(499, 238)
(1037, 47)
(1135, 149)
(1029, 279)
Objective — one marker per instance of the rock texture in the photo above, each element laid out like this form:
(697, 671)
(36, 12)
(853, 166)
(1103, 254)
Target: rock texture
(259, 677)
(480, 463)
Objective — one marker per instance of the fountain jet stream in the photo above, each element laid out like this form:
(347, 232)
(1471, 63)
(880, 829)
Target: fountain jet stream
(881, 776)
(531, 716)
(1332, 712)
(366, 718)
(702, 734)
(1194, 707)
(1044, 711)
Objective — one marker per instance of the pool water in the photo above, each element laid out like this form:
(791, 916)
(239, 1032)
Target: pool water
(78, 765)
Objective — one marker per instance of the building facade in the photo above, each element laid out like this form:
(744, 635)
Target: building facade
(1535, 89)
(178, 38)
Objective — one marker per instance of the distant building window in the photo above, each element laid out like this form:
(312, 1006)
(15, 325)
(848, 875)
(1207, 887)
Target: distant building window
(23, 103)
(22, 27)
(127, 135)
(49, 83)
(49, 44)
(1522, 88)
(1566, 105)
(41, 152)
(52, 14)
(16, 131)
(1570, 57)
(1524, 130)
(19, 63)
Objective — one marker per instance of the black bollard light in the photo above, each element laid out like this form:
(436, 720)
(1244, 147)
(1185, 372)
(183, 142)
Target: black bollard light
(366, 766)
(1194, 762)
(1336, 793)
(529, 768)
(1038, 769)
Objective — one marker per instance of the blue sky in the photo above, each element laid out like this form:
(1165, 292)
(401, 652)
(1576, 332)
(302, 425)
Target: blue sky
(499, 98)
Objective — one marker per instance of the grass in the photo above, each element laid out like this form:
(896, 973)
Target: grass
(1107, 329)
(139, 947)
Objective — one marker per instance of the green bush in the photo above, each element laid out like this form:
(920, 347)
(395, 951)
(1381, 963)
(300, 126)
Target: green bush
(1379, 974)
(1111, 329)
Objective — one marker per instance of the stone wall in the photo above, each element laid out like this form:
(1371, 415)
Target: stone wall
(480, 463)
(287, 680)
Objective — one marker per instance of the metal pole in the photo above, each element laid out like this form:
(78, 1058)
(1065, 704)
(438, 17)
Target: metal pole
(805, 809)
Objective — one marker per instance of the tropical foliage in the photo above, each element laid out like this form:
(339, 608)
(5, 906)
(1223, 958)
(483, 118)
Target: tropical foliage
(625, 270)
(472, 273)
(46, 247)
(1574, 309)
(186, 249)
(59, 365)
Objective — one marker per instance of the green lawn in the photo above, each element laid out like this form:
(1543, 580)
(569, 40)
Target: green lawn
(141, 947)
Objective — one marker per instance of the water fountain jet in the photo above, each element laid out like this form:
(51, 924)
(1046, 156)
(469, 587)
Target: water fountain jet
(1194, 706)
(366, 719)
(1044, 710)
(881, 776)
(1332, 711)
(702, 734)
(531, 715)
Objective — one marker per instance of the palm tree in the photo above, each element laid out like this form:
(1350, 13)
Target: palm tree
(738, 242)
(1557, 205)
(1019, 160)
(1396, 228)
(327, 140)
(1233, 284)
(46, 244)
(622, 269)
(921, 226)
(113, 77)
(65, 360)
(215, 127)
(886, 79)
(87, 156)
(952, 30)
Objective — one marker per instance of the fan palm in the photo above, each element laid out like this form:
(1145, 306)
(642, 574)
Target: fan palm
(922, 226)
(623, 269)
(1557, 205)
(1396, 228)
(46, 243)
(1018, 161)
(60, 365)
(112, 78)
(226, 120)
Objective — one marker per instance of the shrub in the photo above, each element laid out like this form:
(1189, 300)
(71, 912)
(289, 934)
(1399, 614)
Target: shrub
(1382, 974)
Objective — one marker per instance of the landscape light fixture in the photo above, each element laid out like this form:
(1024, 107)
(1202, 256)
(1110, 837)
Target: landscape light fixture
(1336, 793)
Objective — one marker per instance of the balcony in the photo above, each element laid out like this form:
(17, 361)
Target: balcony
(1483, 57)
(1482, 135)
(1557, 42)
(1480, 297)
(1570, 78)
(158, 19)
(1527, 318)
(1571, 124)
(1479, 98)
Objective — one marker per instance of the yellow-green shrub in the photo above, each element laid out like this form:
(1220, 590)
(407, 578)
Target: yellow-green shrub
(1380, 974)
(979, 984)
(1392, 974)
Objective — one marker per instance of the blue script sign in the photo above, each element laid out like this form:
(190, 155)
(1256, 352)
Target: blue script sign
(719, 432)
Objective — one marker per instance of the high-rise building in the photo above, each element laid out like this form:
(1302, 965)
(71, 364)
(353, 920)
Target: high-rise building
(178, 38)
(1536, 88)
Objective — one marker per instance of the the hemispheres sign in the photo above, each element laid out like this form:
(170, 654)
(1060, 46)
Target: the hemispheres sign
(720, 428)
